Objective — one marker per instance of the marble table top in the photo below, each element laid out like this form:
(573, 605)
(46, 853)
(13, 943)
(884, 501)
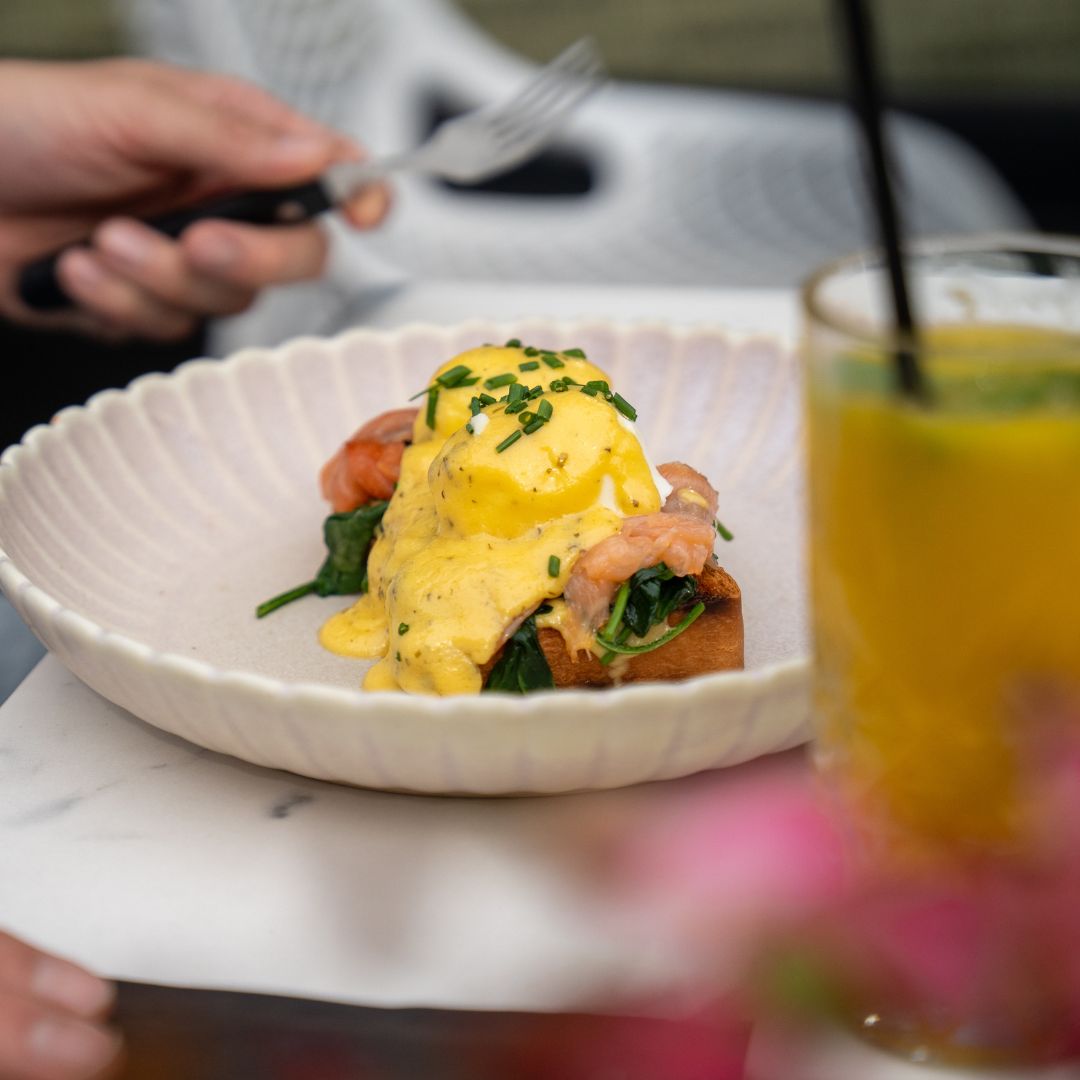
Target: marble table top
(146, 857)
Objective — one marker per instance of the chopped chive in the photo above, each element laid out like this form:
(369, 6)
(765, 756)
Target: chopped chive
(569, 381)
(544, 410)
(674, 632)
(535, 426)
(599, 384)
(724, 533)
(552, 361)
(553, 565)
(535, 392)
(505, 379)
(530, 351)
(508, 441)
(590, 390)
(453, 377)
(557, 386)
(432, 402)
(529, 365)
(515, 407)
(578, 354)
(526, 417)
(475, 405)
(403, 628)
(420, 393)
(514, 343)
(516, 392)
(624, 407)
(486, 399)
(470, 429)
(471, 381)
(617, 608)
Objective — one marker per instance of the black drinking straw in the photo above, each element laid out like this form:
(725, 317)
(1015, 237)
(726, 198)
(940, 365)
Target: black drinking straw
(865, 91)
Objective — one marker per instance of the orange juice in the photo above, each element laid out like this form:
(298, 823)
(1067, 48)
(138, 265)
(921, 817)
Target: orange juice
(945, 552)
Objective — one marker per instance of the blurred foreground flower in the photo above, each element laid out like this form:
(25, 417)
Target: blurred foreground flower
(974, 958)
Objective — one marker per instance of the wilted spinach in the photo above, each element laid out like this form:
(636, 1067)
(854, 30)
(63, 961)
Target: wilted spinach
(523, 666)
(654, 594)
(645, 599)
(348, 538)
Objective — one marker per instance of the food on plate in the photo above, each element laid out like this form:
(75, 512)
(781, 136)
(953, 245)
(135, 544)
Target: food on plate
(512, 534)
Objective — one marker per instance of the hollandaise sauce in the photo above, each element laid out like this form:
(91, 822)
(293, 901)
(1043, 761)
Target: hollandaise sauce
(515, 469)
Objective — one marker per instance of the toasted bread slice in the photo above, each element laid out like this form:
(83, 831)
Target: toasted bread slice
(713, 642)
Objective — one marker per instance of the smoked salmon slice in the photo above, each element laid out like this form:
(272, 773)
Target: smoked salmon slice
(367, 465)
(681, 536)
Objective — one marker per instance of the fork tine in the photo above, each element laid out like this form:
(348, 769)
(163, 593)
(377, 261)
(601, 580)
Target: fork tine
(538, 119)
(477, 144)
(555, 96)
(579, 60)
(543, 112)
(537, 130)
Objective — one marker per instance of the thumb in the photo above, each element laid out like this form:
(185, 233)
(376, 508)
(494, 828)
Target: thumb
(223, 146)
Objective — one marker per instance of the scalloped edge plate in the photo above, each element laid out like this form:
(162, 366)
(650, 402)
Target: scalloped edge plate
(80, 569)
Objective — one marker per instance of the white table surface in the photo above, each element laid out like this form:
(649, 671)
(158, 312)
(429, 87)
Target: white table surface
(148, 858)
(769, 311)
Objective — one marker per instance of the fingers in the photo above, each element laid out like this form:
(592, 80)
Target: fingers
(24, 969)
(139, 282)
(118, 301)
(238, 134)
(250, 257)
(168, 138)
(244, 98)
(369, 207)
(134, 281)
(49, 1013)
(41, 1043)
(258, 107)
(158, 266)
(251, 102)
(227, 146)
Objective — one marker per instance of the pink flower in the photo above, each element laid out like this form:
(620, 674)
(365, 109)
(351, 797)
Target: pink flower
(756, 877)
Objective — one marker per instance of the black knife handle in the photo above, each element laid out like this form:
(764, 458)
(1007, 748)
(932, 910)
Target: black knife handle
(40, 289)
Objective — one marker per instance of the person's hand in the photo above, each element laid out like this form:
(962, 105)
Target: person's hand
(51, 1018)
(88, 147)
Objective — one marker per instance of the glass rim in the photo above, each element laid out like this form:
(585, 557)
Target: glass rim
(957, 244)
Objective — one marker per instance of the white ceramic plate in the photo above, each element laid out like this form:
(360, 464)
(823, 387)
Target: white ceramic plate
(137, 534)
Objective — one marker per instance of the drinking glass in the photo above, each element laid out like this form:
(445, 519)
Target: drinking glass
(944, 534)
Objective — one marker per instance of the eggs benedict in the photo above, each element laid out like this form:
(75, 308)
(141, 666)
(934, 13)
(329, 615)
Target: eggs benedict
(525, 540)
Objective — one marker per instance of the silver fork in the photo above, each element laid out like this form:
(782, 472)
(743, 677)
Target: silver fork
(465, 149)
(486, 141)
